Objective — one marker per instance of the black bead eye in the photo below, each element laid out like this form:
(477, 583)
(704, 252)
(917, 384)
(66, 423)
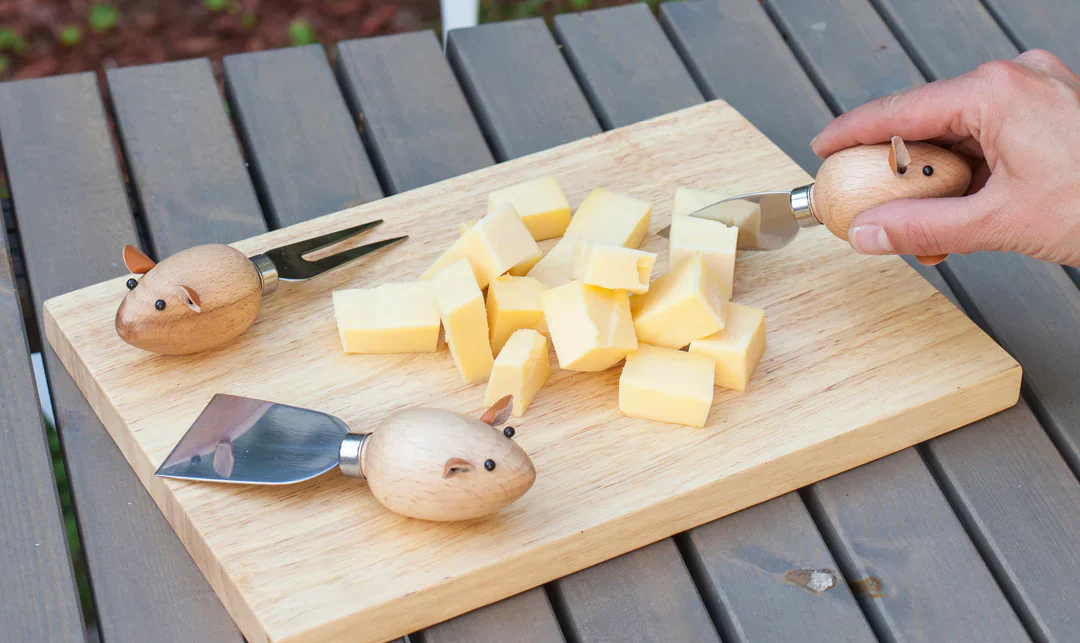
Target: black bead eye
(196, 459)
(489, 465)
(509, 431)
(160, 304)
(131, 283)
(927, 170)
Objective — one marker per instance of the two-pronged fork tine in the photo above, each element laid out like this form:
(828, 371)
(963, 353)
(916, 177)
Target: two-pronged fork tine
(291, 265)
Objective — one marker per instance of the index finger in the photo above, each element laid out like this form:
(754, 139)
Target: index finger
(945, 110)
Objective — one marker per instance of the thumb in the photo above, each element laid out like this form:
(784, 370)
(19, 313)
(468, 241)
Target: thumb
(926, 227)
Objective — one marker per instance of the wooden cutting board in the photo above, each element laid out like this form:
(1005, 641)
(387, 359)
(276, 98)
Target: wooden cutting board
(864, 358)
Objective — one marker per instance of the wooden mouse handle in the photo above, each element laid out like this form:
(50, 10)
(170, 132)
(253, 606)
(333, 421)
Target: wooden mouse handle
(857, 179)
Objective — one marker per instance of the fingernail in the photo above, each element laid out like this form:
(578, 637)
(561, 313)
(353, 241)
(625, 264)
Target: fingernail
(813, 140)
(870, 240)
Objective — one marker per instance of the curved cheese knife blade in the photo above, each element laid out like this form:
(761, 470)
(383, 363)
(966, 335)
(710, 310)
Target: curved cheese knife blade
(247, 441)
(780, 211)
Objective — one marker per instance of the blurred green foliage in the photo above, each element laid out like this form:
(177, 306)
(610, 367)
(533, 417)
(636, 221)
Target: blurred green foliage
(301, 33)
(68, 511)
(498, 10)
(102, 17)
(70, 35)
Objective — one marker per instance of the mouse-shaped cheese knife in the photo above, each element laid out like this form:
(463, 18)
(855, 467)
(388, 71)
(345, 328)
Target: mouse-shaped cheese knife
(203, 297)
(423, 463)
(849, 183)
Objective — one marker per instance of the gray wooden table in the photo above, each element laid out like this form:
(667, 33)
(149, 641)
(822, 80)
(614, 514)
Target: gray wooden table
(973, 536)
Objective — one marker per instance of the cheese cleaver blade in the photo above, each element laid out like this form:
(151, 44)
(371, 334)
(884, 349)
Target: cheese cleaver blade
(849, 183)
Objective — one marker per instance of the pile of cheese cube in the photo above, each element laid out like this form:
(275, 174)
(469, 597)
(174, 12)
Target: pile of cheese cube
(592, 294)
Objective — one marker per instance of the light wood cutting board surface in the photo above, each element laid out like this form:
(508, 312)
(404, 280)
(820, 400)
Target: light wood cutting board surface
(864, 358)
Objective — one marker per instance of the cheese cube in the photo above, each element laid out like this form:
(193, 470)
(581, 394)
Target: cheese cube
(493, 246)
(744, 215)
(666, 385)
(513, 303)
(712, 240)
(521, 370)
(554, 269)
(521, 268)
(540, 202)
(614, 219)
(466, 225)
(391, 318)
(684, 304)
(590, 327)
(738, 348)
(461, 306)
(612, 267)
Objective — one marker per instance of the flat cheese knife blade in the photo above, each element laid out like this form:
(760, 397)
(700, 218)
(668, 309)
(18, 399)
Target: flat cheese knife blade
(848, 183)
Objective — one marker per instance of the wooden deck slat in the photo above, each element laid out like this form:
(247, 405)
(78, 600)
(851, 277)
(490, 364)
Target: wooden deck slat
(846, 49)
(919, 517)
(519, 118)
(907, 556)
(73, 218)
(38, 600)
(753, 568)
(401, 83)
(304, 149)
(624, 64)
(1041, 24)
(768, 88)
(600, 41)
(506, 102)
(416, 122)
(525, 618)
(183, 157)
(1006, 481)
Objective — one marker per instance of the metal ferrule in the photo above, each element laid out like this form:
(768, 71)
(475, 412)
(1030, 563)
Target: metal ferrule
(802, 207)
(268, 273)
(349, 454)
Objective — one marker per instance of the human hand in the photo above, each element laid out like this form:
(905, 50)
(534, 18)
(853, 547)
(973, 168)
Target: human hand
(1018, 123)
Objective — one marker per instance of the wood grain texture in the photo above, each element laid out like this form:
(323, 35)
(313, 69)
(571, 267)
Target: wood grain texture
(545, 110)
(38, 600)
(898, 569)
(816, 407)
(74, 217)
(846, 49)
(1025, 525)
(711, 34)
(625, 65)
(183, 157)
(415, 120)
(631, 582)
(525, 618)
(298, 134)
(669, 608)
(946, 38)
(1041, 24)
(754, 569)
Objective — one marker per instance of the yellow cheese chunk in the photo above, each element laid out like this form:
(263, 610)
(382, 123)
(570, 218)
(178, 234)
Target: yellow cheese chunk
(554, 269)
(493, 246)
(521, 268)
(461, 306)
(738, 348)
(540, 202)
(521, 370)
(684, 304)
(666, 385)
(744, 215)
(391, 318)
(613, 267)
(610, 218)
(513, 303)
(715, 242)
(590, 327)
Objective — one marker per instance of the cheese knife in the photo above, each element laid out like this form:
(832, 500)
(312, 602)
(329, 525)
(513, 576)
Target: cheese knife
(848, 183)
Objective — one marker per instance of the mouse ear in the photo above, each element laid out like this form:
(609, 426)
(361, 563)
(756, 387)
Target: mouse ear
(189, 297)
(898, 156)
(456, 466)
(499, 411)
(137, 261)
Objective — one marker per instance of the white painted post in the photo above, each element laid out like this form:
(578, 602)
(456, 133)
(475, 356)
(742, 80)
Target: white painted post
(457, 14)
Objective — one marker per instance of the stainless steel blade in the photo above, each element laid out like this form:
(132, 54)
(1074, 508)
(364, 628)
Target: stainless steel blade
(778, 223)
(247, 441)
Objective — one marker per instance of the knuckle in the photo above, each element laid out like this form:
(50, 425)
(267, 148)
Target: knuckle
(1040, 57)
(1002, 74)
